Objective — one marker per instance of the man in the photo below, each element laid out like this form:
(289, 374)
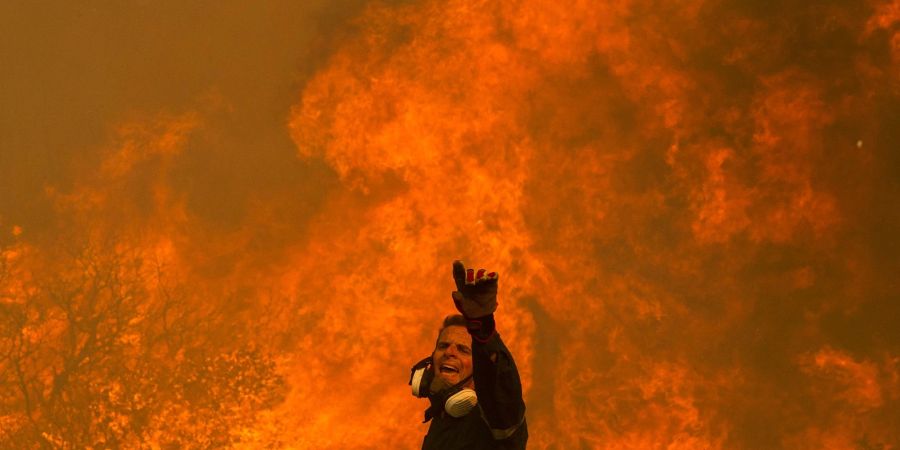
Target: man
(471, 378)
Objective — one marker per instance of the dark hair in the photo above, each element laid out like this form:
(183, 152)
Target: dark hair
(450, 321)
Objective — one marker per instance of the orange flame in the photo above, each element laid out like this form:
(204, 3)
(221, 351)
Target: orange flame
(689, 207)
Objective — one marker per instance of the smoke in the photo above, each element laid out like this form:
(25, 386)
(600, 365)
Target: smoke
(77, 72)
(690, 207)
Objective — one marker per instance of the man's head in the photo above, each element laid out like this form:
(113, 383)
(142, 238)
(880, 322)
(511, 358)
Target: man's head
(452, 355)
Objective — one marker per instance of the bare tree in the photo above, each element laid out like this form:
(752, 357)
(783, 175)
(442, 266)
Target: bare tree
(99, 350)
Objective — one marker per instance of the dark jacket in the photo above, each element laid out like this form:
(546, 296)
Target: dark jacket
(498, 422)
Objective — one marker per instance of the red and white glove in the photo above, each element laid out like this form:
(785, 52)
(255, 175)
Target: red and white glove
(476, 292)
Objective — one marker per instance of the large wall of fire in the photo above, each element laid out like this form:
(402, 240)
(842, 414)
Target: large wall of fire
(227, 225)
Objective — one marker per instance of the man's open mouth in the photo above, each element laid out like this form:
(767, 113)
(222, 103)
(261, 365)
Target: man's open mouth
(446, 368)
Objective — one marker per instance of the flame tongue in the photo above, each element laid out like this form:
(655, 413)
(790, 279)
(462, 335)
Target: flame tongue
(690, 205)
(647, 178)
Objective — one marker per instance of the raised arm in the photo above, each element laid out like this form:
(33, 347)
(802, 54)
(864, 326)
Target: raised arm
(497, 382)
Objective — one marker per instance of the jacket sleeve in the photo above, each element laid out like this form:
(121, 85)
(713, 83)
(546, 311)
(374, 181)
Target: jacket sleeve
(499, 391)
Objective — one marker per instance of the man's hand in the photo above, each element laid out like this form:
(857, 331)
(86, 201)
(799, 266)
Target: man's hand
(476, 292)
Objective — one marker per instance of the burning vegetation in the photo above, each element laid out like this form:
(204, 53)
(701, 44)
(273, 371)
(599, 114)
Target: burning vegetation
(693, 208)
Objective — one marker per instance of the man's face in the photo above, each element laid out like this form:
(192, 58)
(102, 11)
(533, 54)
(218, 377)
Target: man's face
(452, 357)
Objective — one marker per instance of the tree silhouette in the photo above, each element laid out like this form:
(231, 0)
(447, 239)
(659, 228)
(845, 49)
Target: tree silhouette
(98, 349)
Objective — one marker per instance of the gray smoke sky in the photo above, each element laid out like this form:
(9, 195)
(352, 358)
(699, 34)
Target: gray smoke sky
(72, 71)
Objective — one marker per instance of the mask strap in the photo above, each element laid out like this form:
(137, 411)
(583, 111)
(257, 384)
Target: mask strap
(457, 386)
(438, 399)
(425, 362)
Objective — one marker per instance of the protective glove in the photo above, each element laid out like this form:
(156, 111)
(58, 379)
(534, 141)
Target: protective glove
(476, 298)
(476, 292)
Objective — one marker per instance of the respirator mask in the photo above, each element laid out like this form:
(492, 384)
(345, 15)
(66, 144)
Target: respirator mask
(456, 400)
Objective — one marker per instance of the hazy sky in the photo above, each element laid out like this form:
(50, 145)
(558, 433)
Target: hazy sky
(74, 71)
